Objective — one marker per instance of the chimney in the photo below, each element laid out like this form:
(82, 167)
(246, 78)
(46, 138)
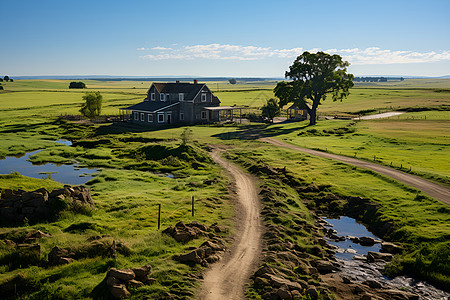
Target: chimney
(177, 81)
(195, 81)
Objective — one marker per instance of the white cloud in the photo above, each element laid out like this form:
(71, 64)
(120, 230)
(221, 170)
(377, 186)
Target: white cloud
(356, 56)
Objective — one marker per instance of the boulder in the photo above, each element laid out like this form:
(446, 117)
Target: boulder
(112, 281)
(325, 266)
(141, 273)
(279, 282)
(133, 283)
(58, 256)
(119, 291)
(312, 293)
(390, 248)
(213, 258)
(32, 251)
(55, 193)
(367, 241)
(122, 274)
(284, 294)
(377, 256)
(372, 284)
(191, 257)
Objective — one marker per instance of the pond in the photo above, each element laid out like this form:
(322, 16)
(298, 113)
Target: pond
(66, 173)
(346, 226)
(361, 270)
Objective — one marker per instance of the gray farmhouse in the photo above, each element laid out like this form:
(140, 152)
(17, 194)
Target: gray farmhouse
(176, 102)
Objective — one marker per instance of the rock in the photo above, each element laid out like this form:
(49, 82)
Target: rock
(219, 229)
(296, 295)
(36, 234)
(112, 281)
(322, 242)
(133, 283)
(390, 248)
(366, 297)
(400, 295)
(376, 256)
(57, 192)
(358, 290)
(56, 255)
(213, 246)
(359, 257)
(213, 258)
(191, 257)
(352, 251)
(312, 293)
(119, 291)
(265, 269)
(279, 282)
(325, 266)
(354, 239)
(373, 284)
(367, 241)
(284, 294)
(142, 272)
(122, 274)
(261, 282)
(346, 280)
(198, 225)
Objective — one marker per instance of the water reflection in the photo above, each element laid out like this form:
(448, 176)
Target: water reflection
(67, 174)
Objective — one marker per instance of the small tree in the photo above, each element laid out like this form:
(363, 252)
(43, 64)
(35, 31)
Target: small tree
(1, 79)
(232, 81)
(314, 76)
(185, 136)
(11, 80)
(271, 109)
(77, 85)
(6, 78)
(93, 104)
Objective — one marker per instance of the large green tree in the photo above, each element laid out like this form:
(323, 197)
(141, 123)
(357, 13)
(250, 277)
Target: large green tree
(313, 77)
(92, 106)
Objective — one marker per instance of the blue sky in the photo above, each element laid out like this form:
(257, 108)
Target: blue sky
(221, 38)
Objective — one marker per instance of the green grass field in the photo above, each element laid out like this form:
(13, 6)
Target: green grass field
(133, 180)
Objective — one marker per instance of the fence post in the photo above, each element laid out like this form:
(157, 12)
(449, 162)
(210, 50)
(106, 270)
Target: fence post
(192, 205)
(159, 216)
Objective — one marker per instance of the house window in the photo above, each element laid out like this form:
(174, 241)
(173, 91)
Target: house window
(136, 115)
(203, 97)
(149, 118)
(167, 97)
(181, 116)
(181, 96)
(142, 117)
(161, 118)
(203, 115)
(152, 96)
(162, 97)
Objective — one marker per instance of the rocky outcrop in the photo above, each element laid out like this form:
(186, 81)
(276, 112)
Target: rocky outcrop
(18, 205)
(184, 233)
(119, 281)
(209, 252)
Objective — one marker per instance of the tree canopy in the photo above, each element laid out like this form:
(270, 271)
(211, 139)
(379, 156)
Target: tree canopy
(6, 78)
(77, 85)
(271, 109)
(314, 76)
(232, 81)
(93, 104)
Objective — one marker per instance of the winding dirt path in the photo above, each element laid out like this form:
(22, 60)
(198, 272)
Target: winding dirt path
(432, 189)
(227, 278)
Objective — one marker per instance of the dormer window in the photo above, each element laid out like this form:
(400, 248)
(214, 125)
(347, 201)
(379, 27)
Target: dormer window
(162, 97)
(152, 96)
(181, 97)
(203, 98)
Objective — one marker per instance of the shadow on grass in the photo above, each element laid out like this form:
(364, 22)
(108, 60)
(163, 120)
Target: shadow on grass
(123, 127)
(254, 132)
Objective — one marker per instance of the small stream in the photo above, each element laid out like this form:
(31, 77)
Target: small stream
(63, 173)
(351, 257)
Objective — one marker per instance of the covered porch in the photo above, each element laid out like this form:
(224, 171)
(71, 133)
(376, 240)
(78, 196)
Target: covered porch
(224, 113)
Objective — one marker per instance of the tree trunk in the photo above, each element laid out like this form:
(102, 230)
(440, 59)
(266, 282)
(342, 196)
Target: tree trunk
(312, 117)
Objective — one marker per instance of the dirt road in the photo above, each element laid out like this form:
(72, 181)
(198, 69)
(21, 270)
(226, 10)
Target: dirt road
(434, 190)
(227, 278)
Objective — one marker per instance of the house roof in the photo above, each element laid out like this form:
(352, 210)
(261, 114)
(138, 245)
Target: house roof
(148, 106)
(189, 89)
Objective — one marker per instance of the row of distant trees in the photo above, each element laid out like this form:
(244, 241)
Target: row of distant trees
(377, 79)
